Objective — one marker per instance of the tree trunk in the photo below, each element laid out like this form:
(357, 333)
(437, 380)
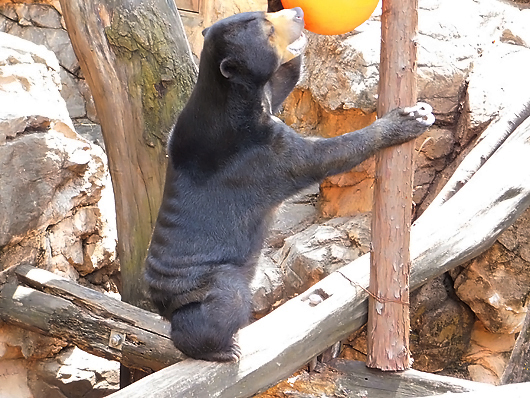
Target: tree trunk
(137, 62)
(388, 319)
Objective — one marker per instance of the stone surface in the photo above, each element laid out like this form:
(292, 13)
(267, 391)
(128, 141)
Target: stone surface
(495, 285)
(56, 204)
(74, 373)
(315, 252)
(440, 326)
(14, 376)
(17, 343)
(488, 354)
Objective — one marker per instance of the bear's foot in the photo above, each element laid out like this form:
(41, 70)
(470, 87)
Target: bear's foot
(233, 354)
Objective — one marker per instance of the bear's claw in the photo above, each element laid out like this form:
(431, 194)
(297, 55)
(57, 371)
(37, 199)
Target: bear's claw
(422, 112)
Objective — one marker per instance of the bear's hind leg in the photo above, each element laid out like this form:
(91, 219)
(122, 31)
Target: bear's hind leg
(205, 330)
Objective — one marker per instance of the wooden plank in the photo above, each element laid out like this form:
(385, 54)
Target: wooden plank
(520, 390)
(388, 313)
(87, 318)
(98, 304)
(358, 380)
(283, 341)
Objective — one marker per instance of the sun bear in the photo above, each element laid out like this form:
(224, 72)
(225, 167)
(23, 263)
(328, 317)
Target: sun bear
(231, 163)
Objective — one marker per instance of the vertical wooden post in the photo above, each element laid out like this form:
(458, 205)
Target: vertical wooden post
(388, 317)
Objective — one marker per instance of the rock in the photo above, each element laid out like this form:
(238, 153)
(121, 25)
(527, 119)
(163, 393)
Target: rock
(441, 326)
(16, 343)
(70, 91)
(492, 93)
(75, 373)
(33, 74)
(348, 194)
(42, 24)
(314, 253)
(44, 175)
(488, 354)
(495, 285)
(293, 215)
(14, 379)
(55, 185)
(267, 287)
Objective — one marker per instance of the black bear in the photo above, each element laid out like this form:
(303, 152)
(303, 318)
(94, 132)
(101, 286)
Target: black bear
(231, 163)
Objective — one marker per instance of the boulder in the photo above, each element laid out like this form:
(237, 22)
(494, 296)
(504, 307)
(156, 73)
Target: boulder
(56, 191)
(317, 251)
(441, 326)
(496, 284)
(56, 211)
(74, 374)
(41, 22)
(488, 354)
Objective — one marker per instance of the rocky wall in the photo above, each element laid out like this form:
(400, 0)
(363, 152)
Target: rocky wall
(41, 22)
(56, 211)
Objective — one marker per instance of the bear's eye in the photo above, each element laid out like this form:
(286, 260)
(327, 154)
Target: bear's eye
(271, 31)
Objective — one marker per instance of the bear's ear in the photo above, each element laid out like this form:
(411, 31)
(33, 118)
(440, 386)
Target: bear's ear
(204, 31)
(227, 68)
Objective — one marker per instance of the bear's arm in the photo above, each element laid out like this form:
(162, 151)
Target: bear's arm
(297, 162)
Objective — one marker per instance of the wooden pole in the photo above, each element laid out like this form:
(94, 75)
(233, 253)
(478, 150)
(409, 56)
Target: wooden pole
(388, 319)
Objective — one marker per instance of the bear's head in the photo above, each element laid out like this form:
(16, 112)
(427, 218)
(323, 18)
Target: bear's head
(248, 48)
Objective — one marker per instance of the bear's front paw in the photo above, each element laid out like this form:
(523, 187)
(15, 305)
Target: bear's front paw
(421, 112)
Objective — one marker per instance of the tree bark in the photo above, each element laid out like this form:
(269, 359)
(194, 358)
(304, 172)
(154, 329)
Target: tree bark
(46, 303)
(136, 60)
(388, 319)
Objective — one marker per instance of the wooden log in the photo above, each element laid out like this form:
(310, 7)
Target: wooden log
(470, 222)
(520, 390)
(388, 308)
(137, 62)
(346, 378)
(60, 308)
(491, 139)
(359, 380)
(283, 341)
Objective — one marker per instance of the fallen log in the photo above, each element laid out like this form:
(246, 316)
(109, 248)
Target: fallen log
(346, 378)
(57, 307)
(493, 137)
(519, 390)
(280, 343)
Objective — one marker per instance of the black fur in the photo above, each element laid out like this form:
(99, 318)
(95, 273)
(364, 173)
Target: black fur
(230, 165)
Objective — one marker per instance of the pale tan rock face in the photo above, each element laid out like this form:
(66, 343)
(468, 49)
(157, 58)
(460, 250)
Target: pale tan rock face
(56, 204)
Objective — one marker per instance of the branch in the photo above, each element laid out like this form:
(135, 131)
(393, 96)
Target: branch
(57, 307)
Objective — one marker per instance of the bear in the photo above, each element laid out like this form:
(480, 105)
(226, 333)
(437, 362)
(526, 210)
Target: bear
(231, 164)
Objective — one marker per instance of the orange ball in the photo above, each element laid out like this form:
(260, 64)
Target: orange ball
(333, 17)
